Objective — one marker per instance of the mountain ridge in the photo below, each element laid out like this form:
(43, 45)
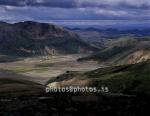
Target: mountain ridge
(126, 50)
(33, 38)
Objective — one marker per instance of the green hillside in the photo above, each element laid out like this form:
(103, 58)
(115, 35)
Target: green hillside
(127, 79)
(16, 85)
(125, 50)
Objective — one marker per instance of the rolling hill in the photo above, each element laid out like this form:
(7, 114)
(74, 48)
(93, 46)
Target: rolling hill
(125, 50)
(131, 79)
(16, 85)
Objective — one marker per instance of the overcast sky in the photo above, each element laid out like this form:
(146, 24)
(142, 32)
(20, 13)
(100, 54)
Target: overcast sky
(74, 9)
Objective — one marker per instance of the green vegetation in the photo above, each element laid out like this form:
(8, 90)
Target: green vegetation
(15, 87)
(108, 54)
(126, 79)
(125, 50)
(129, 79)
(18, 69)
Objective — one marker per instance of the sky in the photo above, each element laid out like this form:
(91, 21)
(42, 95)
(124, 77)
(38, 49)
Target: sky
(44, 10)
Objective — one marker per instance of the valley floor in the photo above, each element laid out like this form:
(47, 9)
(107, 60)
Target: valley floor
(41, 69)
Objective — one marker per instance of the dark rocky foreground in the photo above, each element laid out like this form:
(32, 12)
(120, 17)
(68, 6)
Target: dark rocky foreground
(73, 105)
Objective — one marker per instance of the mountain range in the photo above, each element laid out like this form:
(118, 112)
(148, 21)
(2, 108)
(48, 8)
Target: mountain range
(33, 38)
(112, 32)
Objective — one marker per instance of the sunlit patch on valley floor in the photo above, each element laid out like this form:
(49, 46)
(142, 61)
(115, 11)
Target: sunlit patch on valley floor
(43, 68)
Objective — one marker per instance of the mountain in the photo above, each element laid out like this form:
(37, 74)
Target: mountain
(92, 37)
(97, 37)
(111, 32)
(32, 38)
(125, 50)
(127, 79)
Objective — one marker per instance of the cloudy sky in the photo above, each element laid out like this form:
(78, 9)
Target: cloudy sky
(74, 10)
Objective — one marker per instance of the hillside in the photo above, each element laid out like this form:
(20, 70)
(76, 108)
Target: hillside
(15, 85)
(127, 79)
(99, 34)
(32, 38)
(125, 50)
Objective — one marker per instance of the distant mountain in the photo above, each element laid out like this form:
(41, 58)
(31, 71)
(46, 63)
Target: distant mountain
(117, 47)
(115, 32)
(32, 38)
(99, 35)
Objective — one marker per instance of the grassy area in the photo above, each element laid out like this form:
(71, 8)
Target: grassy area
(128, 79)
(125, 50)
(12, 87)
(19, 69)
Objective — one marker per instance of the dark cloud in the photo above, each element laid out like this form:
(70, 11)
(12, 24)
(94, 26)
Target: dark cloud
(132, 4)
(50, 3)
(74, 9)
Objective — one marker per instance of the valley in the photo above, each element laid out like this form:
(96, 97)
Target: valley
(44, 53)
(42, 68)
(74, 57)
(35, 55)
